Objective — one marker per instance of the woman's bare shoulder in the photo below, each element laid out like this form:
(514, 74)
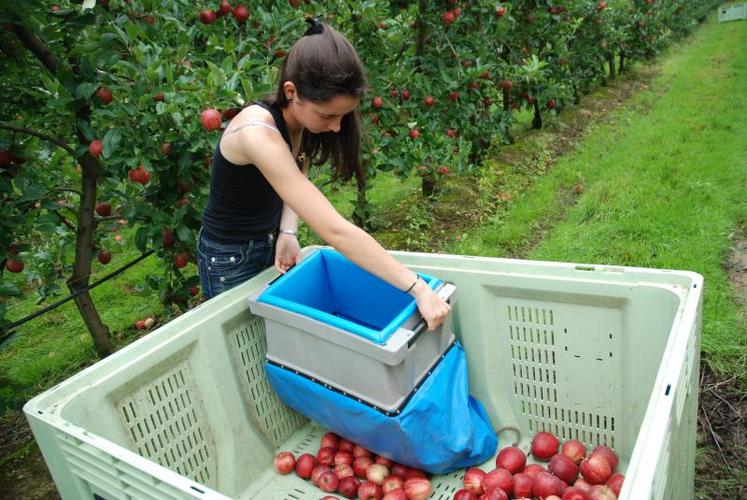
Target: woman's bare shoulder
(252, 120)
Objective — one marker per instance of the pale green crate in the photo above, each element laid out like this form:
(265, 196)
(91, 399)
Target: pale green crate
(608, 355)
(734, 12)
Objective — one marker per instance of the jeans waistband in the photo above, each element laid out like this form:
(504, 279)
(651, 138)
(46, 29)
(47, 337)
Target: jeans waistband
(270, 238)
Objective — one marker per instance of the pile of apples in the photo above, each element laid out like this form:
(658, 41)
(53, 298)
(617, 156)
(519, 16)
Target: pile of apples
(343, 467)
(571, 473)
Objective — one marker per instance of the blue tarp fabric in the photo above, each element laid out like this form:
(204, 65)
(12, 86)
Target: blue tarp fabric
(440, 429)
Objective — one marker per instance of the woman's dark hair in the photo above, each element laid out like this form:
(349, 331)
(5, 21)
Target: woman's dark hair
(323, 64)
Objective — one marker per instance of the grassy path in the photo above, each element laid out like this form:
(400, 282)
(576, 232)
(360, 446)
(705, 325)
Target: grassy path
(665, 186)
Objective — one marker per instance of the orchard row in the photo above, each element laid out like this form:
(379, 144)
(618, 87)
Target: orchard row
(121, 105)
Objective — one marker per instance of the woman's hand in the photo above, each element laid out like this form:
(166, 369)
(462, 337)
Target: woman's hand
(433, 308)
(287, 252)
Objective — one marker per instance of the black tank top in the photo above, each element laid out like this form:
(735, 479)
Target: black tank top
(242, 205)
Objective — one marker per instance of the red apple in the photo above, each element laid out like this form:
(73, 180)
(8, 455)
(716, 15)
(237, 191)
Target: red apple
(167, 238)
(207, 17)
(180, 260)
(14, 265)
(104, 209)
(241, 13)
(96, 148)
(224, 8)
(210, 119)
(105, 95)
(5, 158)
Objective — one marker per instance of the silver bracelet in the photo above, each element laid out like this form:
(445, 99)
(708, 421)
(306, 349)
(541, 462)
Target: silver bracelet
(288, 231)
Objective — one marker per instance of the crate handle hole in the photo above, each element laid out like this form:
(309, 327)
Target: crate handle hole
(669, 387)
(198, 490)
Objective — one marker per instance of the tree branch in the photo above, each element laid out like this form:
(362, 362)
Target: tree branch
(64, 220)
(37, 47)
(69, 190)
(40, 135)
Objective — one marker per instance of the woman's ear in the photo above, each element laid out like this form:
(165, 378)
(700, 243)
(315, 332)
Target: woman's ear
(289, 88)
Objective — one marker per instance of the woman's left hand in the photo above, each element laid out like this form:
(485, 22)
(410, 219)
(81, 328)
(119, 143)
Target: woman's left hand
(287, 252)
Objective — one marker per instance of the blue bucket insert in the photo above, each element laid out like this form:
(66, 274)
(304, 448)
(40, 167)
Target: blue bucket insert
(328, 287)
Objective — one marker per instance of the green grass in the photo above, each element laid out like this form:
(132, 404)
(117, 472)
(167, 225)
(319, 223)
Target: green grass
(665, 186)
(57, 344)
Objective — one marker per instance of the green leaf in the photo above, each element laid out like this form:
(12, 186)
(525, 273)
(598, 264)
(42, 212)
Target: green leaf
(185, 234)
(31, 193)
(227, 65)
(86, 90)
(112, 139)
(9, 289)
(46, 228)
(153, 282)
(141, 238)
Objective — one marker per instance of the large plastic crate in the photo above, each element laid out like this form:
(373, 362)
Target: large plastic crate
(346, 328)
(732, 12)
(605, 354)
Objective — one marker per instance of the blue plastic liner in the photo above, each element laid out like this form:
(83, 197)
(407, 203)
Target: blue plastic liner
(440, 429)
(330, 288)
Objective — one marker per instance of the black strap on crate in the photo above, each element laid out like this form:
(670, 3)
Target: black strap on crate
(388, 413)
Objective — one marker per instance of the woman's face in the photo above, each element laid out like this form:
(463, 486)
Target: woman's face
(322, 117)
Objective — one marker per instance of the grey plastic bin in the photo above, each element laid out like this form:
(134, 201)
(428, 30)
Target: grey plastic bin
(380, 375)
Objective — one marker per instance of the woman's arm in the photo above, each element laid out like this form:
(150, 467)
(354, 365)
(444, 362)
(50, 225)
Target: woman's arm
(266, 149)
(287, 249)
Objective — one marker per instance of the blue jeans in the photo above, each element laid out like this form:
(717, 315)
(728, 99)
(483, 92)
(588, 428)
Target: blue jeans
(223, 266)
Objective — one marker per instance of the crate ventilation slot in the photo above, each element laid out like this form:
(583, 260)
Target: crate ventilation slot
(163, 422)
(532, 343)
(277, 421)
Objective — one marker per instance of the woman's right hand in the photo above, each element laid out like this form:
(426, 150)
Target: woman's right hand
(432, 307)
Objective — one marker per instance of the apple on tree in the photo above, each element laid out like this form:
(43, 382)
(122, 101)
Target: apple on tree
(104, 256)
(241, 13)
(105, 95)
(14, 265)
(104, 209)
(207, 17)
(96, 148)
(210, 119)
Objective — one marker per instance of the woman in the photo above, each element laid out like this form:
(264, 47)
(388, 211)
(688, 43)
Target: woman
(258, 190)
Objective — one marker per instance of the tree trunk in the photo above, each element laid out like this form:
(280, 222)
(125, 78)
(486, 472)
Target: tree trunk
(427, 186)
(537, 121)
(84, 238)
(604, 75)
(622, 61)
(420, 42)
(83, 254)
(362, 210)
(507, 107)
(611, 62)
